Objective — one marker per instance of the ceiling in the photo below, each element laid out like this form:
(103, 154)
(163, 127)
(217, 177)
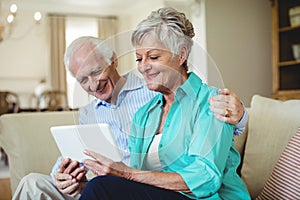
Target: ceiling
(83, 6)
(94, 7)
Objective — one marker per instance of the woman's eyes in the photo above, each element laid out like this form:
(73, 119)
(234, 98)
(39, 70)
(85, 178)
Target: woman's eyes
(151, 57)
(138, 59)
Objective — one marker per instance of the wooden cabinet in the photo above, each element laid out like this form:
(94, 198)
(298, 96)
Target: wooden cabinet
(286, 70)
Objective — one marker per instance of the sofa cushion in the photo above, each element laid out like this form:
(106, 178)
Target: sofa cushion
(271, 124)
(285, 178)
(27, 140)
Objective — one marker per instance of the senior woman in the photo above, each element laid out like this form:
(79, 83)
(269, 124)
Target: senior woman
(178, 150)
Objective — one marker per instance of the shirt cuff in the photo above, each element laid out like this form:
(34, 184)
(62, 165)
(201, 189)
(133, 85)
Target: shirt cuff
(55, 168)
(240, 127)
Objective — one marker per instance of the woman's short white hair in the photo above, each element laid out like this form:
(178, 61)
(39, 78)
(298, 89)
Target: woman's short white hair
(170, 27)
(102, 48)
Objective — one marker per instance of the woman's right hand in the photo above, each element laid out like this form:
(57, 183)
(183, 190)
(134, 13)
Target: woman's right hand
(70, 179)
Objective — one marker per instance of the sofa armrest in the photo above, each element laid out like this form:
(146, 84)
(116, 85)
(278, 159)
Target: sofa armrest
(27, 140)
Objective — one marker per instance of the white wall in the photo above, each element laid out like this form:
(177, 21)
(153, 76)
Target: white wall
(238, 34)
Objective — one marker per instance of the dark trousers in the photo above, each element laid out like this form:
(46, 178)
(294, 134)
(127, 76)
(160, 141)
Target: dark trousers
(112, 187)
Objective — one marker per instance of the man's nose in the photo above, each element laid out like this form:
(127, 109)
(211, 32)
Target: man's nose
(93, 82)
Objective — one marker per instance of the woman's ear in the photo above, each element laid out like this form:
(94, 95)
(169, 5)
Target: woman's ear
(114, 61)
(183, 55)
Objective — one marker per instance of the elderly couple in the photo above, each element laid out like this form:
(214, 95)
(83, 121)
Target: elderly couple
(170, 126)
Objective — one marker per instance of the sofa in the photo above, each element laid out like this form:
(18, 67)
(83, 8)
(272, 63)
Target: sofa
(30, 147)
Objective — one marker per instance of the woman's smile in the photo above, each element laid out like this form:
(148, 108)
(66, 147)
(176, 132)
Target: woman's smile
(151, 76)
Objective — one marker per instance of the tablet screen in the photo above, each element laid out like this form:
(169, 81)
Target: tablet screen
(72, 140)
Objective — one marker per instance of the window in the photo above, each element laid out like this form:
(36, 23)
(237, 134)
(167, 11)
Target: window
(76, 27)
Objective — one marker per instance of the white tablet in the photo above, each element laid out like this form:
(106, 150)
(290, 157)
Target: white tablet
(72, 140)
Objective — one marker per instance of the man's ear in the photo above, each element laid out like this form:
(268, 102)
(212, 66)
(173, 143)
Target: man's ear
(183, 55)
(114, 61)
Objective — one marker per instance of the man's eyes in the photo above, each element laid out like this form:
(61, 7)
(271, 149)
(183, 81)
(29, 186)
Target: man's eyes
(96, 72)
(82, 81)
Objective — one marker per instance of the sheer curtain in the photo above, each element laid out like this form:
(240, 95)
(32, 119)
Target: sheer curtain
(107, 27)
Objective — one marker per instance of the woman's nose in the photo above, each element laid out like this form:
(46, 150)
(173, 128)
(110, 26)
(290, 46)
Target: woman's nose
(144, 67)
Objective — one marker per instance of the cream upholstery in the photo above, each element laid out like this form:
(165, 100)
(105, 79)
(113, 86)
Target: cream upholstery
(30, 147)
(28, 143)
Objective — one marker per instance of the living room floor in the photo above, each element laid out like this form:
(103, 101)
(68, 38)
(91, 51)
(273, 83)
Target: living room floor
(5, 193)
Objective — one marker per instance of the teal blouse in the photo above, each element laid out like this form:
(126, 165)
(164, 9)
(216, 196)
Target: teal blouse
(193, 144)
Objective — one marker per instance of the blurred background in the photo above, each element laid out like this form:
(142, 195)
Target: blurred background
(235, 33)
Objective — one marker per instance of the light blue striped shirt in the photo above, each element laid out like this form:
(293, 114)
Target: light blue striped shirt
(133, 95)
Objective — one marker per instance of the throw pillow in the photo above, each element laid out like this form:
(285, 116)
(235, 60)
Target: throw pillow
(271, 125)
(285, 178)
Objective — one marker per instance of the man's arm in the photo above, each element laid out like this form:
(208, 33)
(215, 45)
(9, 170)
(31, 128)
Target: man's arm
(227, 107)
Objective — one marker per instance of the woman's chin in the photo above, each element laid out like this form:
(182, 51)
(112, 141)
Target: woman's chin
(154, 87)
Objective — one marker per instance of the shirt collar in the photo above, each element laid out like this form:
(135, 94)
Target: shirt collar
(190, 87)
(132, 82)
